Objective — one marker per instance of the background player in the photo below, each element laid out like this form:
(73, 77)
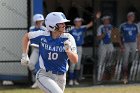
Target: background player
(55, 48)
(130, 34)
(38, 20)
(77, 31)
(105, 46)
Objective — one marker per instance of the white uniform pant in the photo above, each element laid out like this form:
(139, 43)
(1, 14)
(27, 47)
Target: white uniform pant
(104, 51)
(129, 47)
(50, 83)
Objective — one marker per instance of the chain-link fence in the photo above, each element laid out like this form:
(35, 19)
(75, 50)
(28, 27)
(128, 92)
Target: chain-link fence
(15, 21)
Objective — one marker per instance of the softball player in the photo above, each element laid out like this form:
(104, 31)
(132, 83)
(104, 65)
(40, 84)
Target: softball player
(105, 46)
(77, 32)
(129, 31)
(55, 48)
(38, 20)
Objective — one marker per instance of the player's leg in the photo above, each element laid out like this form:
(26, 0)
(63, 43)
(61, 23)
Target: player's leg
(133, 50)
(110, 50)
(33, 60)
(61, 81)
(75, 73)
(78, 66)
(102, 54)
(134, 60)
(71, 73)
(46, 83)
(125, 63)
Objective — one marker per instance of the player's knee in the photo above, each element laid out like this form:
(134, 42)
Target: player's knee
(72, 67)
(42, 86)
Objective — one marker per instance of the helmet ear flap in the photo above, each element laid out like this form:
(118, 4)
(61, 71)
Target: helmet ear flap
(51, 27)
(55, 27)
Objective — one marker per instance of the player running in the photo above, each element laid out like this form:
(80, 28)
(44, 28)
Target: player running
(130, 34)
(55, 48)
(38, 20)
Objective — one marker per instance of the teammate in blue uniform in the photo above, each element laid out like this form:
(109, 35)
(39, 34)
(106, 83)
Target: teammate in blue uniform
(55, 48)
(105, 46)
(77, 32)
(38, 20)
(130, 33)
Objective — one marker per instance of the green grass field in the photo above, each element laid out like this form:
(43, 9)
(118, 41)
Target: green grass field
(96, 89)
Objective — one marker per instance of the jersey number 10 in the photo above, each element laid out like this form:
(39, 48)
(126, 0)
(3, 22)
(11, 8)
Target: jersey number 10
(52, 56)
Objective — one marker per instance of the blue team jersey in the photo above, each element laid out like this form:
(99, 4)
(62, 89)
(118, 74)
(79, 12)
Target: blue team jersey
(52, 55)
(107, 31)
(78, 35)
(33, 29)
(129, 32)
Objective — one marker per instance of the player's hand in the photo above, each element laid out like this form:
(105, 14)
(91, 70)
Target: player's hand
(67, 45)
(98, 14)
(104, 34)
(25, 59)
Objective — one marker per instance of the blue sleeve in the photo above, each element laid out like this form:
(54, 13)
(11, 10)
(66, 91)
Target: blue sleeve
(84, 28)
(35, 40)
(31, 30)
(137, 29)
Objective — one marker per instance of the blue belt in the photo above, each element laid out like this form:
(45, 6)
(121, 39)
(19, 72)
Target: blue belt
(57, 73)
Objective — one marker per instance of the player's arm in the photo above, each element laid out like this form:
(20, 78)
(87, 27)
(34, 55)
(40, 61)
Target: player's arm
(33, 36)
(138, 41)
(121, 43)
(100, 35)
(90, 24)
(97, 16)
(73, 57)
(138, 38)
(25, 43)
(71, 50)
